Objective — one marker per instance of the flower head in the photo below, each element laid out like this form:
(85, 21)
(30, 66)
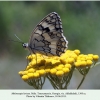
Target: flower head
(58, 70)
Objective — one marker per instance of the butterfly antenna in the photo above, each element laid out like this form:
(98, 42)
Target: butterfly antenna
(20, 41)
(16, 41)
(18, 38)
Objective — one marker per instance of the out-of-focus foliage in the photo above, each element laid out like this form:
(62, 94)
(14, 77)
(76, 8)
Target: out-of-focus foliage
(81, 23)
(81, 26)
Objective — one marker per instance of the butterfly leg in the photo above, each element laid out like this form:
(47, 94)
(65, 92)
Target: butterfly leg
(45, 60)
(36, 59)
(27, 60)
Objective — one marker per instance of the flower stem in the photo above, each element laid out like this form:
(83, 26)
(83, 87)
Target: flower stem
(81, 81)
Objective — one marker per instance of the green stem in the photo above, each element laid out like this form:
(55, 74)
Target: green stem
(68, 77)
(52, 82)
(95, 64)
(86, 72)
(81, 81)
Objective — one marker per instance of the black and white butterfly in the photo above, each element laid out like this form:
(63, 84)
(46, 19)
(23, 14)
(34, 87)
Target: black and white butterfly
(47, 38)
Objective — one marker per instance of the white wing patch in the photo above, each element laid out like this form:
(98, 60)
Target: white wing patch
(47, 38)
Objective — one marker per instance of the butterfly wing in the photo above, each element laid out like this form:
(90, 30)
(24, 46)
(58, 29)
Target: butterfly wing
(47, 38)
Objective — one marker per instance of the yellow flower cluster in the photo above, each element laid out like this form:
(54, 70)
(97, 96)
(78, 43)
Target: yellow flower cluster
(41, 65)
(86, 60)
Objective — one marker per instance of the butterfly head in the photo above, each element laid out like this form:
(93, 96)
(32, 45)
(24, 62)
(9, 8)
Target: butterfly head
(25, 45)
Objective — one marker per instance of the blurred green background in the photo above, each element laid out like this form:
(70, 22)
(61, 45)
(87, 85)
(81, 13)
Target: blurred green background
(81, 25)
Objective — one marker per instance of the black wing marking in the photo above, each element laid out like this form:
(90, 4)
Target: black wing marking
(47, 37)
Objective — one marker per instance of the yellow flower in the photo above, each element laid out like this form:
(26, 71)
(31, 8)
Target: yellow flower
(70, 60)
(25, 72)
(47, 70)
(59, 73)
(68, 66)
(89, 62)
(29, 57)
(91, 55)
(53, 61)
(78, 63)
(77, 52)
(42, 67)
(30, 75)
(59, 67)
(25, 77)
(20, 73)
(95, 57)
(56, 68)
(74, 56)
(36, 75)
(53, 71)
(83, 63)
(66, 70)
(41, 72)
(89, 58)
(31, 70)
(32, 63)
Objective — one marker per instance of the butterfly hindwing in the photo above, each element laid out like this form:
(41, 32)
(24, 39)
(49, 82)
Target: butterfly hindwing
(47, 38)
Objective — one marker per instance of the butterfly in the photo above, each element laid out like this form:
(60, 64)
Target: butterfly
(47, 38)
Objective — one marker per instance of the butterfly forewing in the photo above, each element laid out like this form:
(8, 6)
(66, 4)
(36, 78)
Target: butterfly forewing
(47, 38)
